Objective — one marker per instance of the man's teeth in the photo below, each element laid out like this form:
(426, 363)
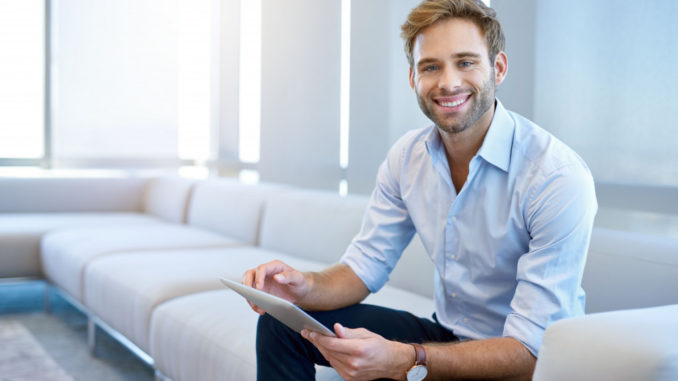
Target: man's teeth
(452, 104)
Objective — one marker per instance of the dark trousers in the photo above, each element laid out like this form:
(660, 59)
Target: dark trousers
(283, 354)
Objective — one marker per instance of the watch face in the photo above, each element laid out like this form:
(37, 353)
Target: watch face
(417, 373)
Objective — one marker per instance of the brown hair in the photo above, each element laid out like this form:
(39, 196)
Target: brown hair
(431, 11)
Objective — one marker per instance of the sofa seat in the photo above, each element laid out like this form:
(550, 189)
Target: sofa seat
(20, 235)
(67, 252)
(209, 335)
(124, 289)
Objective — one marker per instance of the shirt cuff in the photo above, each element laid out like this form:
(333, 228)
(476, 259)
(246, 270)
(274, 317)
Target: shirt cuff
(369, 269)
(525, 331)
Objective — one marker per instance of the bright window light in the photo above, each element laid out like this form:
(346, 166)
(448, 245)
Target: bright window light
(194, 79)
(248, 176)
(194, 172)
(345, 82)
(343, 187)
(250, 81)
(22, 78)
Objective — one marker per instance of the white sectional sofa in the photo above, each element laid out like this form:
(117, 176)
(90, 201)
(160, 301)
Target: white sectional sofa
(142, 257)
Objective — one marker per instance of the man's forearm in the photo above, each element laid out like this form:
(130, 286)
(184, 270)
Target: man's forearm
(335, 287)
(491, 359)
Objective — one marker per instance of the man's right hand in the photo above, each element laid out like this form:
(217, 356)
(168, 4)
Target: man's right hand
(279, 279)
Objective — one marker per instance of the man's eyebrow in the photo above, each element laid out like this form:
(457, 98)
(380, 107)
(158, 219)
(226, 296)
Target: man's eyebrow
(426, 61)
(466, 55)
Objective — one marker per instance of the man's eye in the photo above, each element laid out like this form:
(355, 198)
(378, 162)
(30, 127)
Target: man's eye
(431, 68)
(465, 64)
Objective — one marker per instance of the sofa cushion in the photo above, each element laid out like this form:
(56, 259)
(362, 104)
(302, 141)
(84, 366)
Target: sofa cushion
(630, 270)
(20, 235)
(124, 289)
(67, 252)
(621, 345)
(311, 224)
(229, 207)
(168, 197)
(208, 336)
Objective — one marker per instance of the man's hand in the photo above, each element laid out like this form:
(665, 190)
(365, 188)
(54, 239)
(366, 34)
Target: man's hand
(279, 279)
(358, 354)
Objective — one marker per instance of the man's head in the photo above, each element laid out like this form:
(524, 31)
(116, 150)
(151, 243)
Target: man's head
(454, 69)
(431, 11)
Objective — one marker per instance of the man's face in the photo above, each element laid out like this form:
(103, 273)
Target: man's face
(452, 75)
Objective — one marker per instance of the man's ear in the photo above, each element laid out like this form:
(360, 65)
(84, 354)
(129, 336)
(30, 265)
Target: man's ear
(411, 78)
(500, 68)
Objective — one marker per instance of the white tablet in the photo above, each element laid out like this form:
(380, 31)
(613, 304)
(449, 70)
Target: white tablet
(286, 312)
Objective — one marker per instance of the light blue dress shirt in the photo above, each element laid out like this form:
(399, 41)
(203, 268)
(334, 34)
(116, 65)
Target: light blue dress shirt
(509, 250)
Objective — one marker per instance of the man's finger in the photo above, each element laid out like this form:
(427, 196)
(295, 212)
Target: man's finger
(262, 271)
(289, 277)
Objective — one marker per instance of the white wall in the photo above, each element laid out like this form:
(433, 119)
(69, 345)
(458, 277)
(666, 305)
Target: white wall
(301, 44)
(518, 21)
(605, 76)
(383, 107)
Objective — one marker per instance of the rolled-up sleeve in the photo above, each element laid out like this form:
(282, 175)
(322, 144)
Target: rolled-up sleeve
(559, 216)
(386, 230)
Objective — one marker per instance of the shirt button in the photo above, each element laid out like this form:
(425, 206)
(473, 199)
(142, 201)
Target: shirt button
(453, 257)
(453, 219)
(465, 320)
(454, 295)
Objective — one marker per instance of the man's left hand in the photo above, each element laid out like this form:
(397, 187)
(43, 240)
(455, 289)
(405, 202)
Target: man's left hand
(358, 354)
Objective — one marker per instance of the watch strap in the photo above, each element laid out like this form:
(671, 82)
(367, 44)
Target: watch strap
(420, 354)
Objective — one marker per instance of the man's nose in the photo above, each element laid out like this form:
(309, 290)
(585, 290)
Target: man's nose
(449, 79)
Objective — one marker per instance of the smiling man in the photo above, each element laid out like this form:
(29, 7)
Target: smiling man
(503, 208)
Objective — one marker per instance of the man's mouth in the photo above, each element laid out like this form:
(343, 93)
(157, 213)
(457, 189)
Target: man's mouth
(452, 102)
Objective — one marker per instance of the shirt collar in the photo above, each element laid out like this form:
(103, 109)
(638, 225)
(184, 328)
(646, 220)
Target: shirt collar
(498, 143)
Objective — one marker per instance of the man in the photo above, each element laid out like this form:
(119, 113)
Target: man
(504, 210)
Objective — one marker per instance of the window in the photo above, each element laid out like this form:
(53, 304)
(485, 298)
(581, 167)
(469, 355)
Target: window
(22, 75)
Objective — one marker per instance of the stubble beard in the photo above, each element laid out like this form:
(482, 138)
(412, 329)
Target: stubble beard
(481, 102)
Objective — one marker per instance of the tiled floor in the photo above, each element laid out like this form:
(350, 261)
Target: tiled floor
(63, 334)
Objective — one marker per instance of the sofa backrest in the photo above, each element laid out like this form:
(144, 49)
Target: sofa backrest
(314, 225)
(71, 194)
(630, 270)
(167, 197)
(229, 207)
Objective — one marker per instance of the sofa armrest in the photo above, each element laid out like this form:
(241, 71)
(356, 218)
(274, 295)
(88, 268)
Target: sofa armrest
(625, 345)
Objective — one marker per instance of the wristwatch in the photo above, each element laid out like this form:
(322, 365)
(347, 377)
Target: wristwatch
(418, 371)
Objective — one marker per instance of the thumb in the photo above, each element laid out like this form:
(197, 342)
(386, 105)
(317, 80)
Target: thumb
(350, 333)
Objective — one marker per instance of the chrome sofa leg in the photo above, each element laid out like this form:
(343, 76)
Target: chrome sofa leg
(159, 376)
(91, 335)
